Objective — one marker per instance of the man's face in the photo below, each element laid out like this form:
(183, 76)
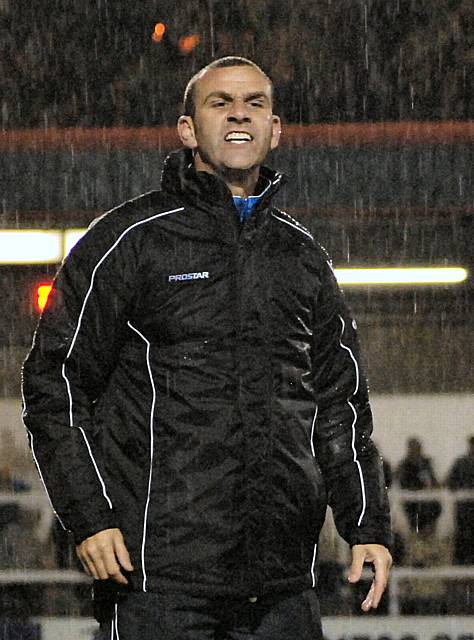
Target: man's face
(233, 127)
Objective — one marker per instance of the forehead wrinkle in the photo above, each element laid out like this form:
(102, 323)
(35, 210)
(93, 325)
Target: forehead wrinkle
(206, 73)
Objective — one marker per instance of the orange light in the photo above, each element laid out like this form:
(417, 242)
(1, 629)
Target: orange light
(42, 293)
(188, 43)
(159, 32)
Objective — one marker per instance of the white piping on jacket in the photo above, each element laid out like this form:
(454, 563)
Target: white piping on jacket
(117, 635)
(42, 479)
(101, 480)
(361, 477)
(292, 224)
(313, 563)
(76, 333)
(270, 183)
(313, 425)
(152, 412)
(36, 459)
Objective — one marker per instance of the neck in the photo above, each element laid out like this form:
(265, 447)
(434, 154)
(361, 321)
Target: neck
(241, 182)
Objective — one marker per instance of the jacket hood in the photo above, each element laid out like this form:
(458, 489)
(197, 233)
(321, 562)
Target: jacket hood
(179, 177)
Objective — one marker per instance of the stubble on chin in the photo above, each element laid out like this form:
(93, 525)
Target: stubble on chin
(238, 175)
(228, 174)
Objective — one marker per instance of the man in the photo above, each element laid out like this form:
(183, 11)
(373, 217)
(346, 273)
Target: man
(415, 473)
(194, 397)
(461, 478)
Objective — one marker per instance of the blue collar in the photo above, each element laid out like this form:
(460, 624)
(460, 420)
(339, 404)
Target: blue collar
(245, 206)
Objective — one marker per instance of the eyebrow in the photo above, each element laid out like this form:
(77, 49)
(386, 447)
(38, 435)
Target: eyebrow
(226, 96)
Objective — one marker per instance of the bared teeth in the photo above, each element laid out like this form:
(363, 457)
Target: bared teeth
(238, 136)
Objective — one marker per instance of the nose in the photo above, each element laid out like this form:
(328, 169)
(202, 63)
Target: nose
(238, 113)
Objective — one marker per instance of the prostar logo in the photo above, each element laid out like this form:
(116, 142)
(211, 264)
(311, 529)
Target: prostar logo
(180, 277)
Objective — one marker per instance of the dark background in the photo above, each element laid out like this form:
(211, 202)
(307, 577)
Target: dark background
(389, 202)
(93, 62)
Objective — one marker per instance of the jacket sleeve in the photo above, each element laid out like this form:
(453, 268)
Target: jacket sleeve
(74, 352)
(348, 458)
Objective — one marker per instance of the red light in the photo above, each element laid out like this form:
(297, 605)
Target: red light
(42, 293)
(159, 32)
(188, 43)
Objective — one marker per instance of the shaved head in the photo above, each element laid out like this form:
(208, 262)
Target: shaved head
(189, 100)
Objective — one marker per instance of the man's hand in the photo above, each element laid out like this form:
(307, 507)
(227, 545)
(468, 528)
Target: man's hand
(380, 557)
(104, 555)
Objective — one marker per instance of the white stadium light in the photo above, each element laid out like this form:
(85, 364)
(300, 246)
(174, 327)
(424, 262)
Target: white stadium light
(30, 246)
(406, 276)
(71, 237)
(49, 246)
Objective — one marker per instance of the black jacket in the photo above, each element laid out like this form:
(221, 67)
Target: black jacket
(195, 381)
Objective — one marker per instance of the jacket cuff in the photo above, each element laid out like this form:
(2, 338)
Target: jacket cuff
(86, 529)
(383, 538)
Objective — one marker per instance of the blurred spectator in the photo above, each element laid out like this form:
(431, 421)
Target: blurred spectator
(425, 548)
(10, 483)
(415, 473)
(20, 549)
(461, 476)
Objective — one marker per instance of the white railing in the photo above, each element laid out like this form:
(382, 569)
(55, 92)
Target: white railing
(43, 576)
(439, 573)
(38, 501)
(398, 574)
(445, 497)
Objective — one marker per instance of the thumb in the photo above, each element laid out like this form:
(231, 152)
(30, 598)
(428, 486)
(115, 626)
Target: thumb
(122, 554)
(358, 557)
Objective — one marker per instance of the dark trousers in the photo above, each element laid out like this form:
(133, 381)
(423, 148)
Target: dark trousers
(152, 616)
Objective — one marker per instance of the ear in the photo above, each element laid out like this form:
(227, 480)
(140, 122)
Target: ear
(186, 132)
(276, 132)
